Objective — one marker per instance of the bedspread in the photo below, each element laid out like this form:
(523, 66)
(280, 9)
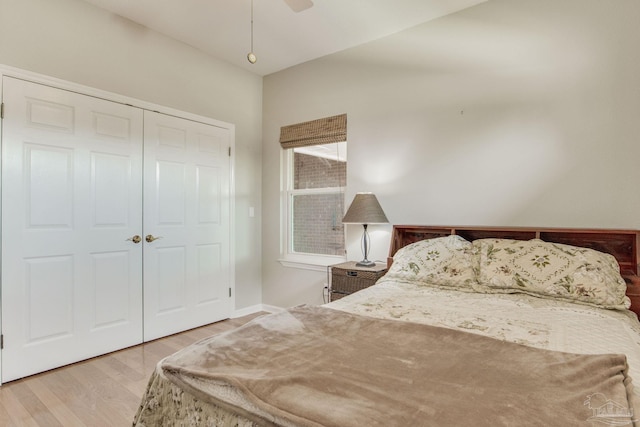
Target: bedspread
(537, 322)
(315, 366)
(514, 318)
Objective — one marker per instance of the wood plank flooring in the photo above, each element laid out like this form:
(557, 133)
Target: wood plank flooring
(103, 391)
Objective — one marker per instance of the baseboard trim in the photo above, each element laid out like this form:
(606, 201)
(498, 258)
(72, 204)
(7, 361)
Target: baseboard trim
(256, 309)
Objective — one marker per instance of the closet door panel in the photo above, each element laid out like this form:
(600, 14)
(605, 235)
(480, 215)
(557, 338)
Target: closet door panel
(171, 184)
(110, 272)
(110, 205)
(72, 196)
(49, 287)
(210, 267)
(187, 191)
(48, 183)
(172, 289)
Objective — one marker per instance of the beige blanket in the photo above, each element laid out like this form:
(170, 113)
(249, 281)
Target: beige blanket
(314, 366)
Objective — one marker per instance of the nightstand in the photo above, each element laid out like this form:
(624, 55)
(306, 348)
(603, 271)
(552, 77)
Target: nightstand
(347, 278)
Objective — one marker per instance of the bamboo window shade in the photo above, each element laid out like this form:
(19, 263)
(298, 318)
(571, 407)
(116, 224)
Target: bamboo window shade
(314, 132)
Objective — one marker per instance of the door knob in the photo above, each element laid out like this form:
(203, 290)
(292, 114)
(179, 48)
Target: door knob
(135, 239)
(150, 238)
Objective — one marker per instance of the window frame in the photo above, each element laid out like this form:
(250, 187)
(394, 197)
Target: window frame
(288, 257)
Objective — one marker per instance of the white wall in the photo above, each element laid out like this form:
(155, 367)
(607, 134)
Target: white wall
(513, 113)
(75, 41)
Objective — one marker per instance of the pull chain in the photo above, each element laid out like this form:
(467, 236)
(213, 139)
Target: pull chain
(251, 57)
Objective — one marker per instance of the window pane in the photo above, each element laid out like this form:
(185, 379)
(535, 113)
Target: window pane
(320, 166)
(317, 224)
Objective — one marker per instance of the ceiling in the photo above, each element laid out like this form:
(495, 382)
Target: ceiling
(281, 37)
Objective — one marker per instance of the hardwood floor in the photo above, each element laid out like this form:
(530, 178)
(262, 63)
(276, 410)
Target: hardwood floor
(103, 391)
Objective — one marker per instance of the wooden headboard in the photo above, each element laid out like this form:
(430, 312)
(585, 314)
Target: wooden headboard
(622, 244)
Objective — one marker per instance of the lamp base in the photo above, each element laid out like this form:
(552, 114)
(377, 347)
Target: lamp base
(365, 263)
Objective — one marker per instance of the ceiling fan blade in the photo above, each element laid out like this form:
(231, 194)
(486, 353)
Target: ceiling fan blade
(299, 5)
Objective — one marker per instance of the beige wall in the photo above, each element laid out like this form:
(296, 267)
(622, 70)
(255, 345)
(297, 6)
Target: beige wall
(513, 112)
(75, 41)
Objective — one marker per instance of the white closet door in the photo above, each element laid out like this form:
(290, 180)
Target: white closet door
(71, 197)
(187, 211)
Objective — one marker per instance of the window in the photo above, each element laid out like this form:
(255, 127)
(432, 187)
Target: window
(315, 199)
(314, 178)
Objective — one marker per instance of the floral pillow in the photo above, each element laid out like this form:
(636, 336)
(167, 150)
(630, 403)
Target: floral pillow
(442, 261)
(551, 269)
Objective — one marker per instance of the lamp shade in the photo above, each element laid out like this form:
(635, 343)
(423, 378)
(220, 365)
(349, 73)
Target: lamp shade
(365, 209)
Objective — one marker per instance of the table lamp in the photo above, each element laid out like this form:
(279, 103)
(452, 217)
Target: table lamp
(365, 210)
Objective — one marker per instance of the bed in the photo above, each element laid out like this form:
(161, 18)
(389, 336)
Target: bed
(470, 326)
